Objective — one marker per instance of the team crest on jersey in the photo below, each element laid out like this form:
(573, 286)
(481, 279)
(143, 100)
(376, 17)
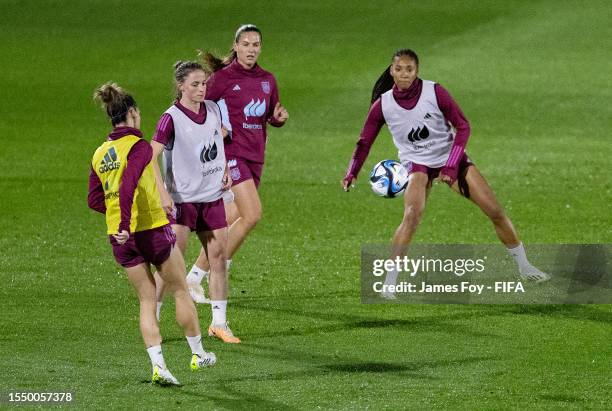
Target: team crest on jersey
(235, 173)
(265, 86)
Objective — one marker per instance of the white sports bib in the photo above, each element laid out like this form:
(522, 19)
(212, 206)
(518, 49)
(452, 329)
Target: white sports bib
(195, 162)
(422, 135)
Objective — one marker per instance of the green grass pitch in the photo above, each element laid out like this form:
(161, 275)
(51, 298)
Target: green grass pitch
(532, 77)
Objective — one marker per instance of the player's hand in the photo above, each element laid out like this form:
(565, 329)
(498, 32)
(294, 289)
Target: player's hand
(348, 183)
(122, 237)
(448, 175)
(224, 132)
(280, 114)
(166, 202)
(446, 179)
(227, 180)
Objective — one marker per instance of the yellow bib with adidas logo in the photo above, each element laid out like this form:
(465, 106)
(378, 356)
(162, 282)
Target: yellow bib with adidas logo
(109, 162)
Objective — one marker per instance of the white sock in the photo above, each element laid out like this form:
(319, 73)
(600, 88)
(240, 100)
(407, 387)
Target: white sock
(156, 356)
(219, 312)
(196, 275)
(391, 278)
(159, 304)
(518, 253)
(195, 343)
(227, 264)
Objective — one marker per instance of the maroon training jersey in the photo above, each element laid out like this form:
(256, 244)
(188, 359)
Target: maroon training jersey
(246, 99)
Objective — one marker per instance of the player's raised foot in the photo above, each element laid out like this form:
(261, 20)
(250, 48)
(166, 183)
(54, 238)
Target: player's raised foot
(196, 291)
(201, 361)
(163, 377)
(223, 332)
(532, 273)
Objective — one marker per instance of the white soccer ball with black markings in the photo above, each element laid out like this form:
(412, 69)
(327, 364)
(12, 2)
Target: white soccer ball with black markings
(388, 178)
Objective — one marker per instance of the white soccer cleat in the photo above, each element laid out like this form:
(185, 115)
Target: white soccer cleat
(207, 360)
(196, 291)
(532, 273)
(163, 377)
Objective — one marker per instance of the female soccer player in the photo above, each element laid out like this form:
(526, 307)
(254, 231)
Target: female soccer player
(122, 186)
(430, 132)
(196, 176)
(248, 98)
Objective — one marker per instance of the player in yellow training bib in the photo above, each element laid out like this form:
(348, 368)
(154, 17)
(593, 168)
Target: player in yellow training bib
(122, 186)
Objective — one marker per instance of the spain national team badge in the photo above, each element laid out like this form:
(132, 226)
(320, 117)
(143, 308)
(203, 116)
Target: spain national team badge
(235, 173)
(265, 86)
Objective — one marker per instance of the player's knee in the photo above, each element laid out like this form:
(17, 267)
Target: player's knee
(497, 215)
(252, 218)
(216, 258)
(175, 284)
(412, 215)
(148, 303)
(180, 292)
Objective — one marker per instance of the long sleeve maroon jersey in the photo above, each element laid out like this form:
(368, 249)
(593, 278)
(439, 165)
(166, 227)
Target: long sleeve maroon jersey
(246, 99)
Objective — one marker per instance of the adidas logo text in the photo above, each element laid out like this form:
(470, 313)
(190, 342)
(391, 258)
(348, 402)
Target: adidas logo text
(110, 161)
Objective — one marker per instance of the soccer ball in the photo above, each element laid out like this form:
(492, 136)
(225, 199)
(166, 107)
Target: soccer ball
(388, 178)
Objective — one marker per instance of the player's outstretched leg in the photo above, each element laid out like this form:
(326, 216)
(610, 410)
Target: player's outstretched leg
(173, 273)
(482, 195)
(142, 280)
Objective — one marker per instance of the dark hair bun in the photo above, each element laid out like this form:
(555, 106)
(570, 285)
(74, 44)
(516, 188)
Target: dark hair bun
(108, 93)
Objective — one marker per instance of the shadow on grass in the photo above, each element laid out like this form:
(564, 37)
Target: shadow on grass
(339, 321)
(235, 399)
(573, 311)
(411, 369)
(446, 322)
(387, 367)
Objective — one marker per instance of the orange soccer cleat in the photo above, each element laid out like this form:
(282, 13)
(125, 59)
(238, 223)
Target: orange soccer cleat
(223, 332)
